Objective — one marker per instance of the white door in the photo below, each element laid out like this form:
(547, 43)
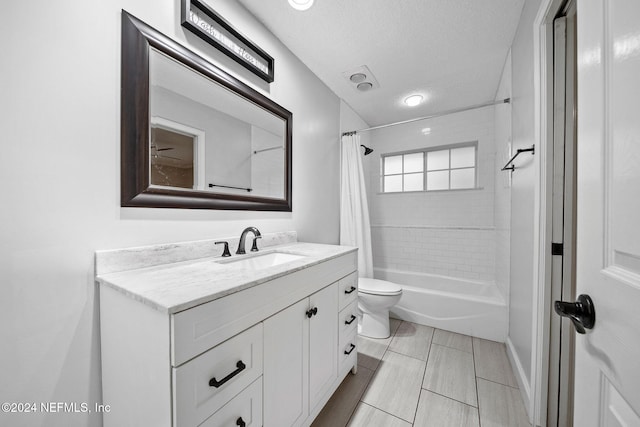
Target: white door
(607, 367)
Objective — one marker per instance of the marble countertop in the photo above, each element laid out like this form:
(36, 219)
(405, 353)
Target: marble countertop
(178, 286)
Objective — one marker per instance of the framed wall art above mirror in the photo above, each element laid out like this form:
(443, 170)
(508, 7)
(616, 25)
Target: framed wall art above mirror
(194, 136)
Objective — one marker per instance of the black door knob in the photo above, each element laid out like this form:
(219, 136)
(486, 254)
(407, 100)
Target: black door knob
(582, 312)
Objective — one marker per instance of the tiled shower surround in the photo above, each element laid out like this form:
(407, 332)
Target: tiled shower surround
(461, 252)
(453, 233)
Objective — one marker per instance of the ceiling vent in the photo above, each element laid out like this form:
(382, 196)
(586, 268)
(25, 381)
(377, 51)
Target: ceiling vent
(361, 79)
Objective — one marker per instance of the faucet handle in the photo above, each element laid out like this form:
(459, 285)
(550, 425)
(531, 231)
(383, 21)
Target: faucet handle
(254, 247)
(225, 252)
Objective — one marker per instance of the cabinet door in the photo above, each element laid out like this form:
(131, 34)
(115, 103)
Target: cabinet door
(323, 341)
(286, 365)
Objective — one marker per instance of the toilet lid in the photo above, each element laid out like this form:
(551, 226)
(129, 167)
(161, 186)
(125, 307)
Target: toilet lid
(378, 287)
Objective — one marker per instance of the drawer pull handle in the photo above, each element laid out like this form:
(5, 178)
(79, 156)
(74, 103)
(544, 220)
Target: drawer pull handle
(240, 422)
(347, 352)
(351, 289)
(215, 383)
(350, 321)
(312, 312)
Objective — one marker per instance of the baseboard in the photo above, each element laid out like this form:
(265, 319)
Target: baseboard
(521, 377)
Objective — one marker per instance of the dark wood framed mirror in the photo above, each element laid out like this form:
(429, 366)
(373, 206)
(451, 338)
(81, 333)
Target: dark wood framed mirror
(194, 136)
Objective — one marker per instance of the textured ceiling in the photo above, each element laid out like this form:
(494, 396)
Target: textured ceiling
(450, 51)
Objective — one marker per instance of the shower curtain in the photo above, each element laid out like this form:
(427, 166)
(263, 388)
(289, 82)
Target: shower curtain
(354, 212)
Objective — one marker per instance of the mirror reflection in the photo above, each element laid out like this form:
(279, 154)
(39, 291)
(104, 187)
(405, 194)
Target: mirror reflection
(205, 137)
(172, 158)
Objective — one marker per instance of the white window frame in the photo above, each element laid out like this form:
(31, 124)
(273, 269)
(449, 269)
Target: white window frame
(424, 152)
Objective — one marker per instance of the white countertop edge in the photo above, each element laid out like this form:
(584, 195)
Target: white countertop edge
(118, 281)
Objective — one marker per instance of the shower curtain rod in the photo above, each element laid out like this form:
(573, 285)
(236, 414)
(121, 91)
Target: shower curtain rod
(444, 113)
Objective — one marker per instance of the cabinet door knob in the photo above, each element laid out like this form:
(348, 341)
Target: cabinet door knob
(351, 289)
(215, 383)
(350, 321)
(312, 312)
(351, 347)
(240, 422)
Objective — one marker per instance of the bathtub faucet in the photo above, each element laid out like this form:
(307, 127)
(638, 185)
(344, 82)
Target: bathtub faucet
(254, 247)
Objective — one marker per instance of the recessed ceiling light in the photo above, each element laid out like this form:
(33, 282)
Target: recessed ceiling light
(413, 100)
(301, 4)
(364, 86)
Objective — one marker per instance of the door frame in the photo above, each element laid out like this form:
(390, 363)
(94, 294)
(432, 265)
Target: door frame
(543, 50)
(199, 146)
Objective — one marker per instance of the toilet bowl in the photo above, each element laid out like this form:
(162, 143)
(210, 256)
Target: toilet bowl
(375, 298)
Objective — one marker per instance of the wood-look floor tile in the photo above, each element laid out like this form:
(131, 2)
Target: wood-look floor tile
(500, 405)
(492, 362)
(412, 339)
(368, 416)
(450, 373)
(340, 407)
(453, 340)
(394, 324)
(439, 411)
(395, 387)
(371, 350)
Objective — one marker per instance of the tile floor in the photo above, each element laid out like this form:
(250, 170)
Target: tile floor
(421, 376)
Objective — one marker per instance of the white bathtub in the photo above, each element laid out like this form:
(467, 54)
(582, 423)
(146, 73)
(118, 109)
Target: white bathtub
(458, 305)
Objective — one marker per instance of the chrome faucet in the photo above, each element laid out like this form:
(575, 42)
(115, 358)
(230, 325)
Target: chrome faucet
(254, 247)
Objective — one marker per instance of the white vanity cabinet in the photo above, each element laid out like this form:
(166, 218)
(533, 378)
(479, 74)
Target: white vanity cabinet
(299, 358)
(264, 353)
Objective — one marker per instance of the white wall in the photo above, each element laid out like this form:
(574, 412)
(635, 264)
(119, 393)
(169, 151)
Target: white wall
(446, 232)
(522, 189)
(502, 200)
(267, 171)
(350, 121)
(60, 118)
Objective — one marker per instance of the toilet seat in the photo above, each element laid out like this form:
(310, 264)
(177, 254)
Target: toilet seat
(378, 287)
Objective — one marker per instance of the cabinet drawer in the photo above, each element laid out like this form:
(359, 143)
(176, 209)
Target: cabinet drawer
(348, 290)
(348, 353)
(245, 407)
(348, 321)
(204, 384)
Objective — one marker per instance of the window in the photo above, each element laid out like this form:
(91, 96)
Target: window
(438, 168)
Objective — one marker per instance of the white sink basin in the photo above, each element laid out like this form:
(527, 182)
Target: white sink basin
(262, 261)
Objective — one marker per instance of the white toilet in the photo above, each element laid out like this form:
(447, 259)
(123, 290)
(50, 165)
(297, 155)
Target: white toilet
(375, 298)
